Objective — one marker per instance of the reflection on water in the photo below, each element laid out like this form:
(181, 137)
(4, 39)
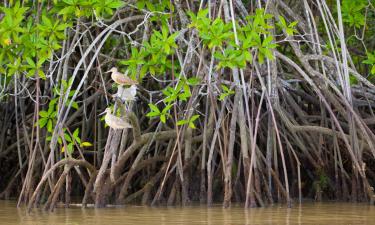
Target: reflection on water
(308, 213)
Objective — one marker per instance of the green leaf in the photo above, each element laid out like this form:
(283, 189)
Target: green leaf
(46, 21)
(192, 125)
(30, 62)
(43, 114)
(223, 96)
(182, 122)
(282, 21)
(226, 92)
(225, 88)
(193, 81)
(43, 122)
(66, 11)
(76, 136)
(163, 118)
(193, 118)
(53, 115)
(49, 125)
(152, 114)
(154, 108)
(141, 4)
(372, 70)
(293, 24)
(267, 41)
(42, 74)
(167, 108)
(51, 106)
(76, 132)
(289, 31)
(70, 148)
(67, 137)
(115, 4)
(268, 54)
(75, 105)
(86, 144)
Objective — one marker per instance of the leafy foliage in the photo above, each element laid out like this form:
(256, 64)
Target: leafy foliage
(154, 56)
(352, 12)
(28, 44)
(370, 61)
(289, 28)
(47, 118)
(226, 92)
(87, 8)
(189, 121)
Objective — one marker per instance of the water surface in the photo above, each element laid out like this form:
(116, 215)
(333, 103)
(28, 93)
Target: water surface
(308, 213)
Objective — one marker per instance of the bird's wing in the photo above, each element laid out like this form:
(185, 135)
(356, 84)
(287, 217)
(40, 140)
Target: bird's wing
(121, 122)
(125, 80)
(125, 124)
(116, 122)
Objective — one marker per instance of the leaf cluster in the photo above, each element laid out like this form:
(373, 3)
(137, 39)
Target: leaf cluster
(154, 56)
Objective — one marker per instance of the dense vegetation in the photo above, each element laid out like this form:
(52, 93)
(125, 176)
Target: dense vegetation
(256, 101)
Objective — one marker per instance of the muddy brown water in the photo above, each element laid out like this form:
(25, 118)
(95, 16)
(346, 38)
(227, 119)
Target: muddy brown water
(308, 213)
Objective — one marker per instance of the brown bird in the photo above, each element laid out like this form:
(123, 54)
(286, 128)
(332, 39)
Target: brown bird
(115, 122)
(120, 78)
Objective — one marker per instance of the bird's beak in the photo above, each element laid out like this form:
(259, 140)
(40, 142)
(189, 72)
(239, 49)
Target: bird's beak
(107, 71)
(102, 113)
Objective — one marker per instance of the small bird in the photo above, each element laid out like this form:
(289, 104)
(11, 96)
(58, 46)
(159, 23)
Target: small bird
(120, 78)
(115, 122)
(127, 94)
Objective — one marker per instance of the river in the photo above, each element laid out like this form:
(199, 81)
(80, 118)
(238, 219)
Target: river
(308, 213)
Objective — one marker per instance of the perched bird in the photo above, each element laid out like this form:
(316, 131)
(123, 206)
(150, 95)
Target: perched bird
(126, 94)
(115, 122)
(120, 78)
